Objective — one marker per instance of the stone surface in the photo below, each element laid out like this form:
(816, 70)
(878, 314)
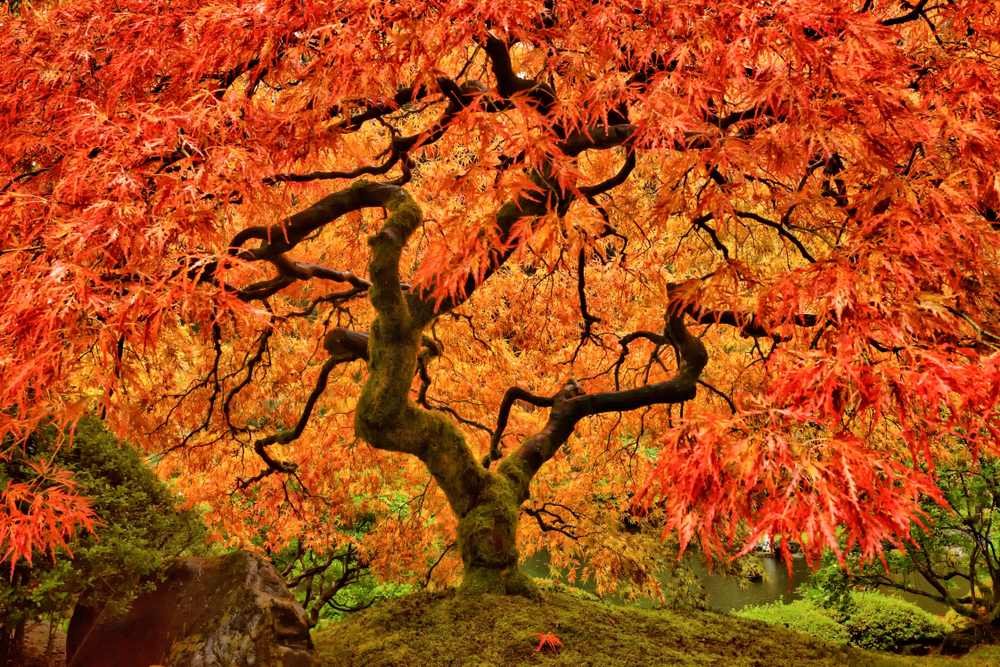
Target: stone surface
(227, 611)
(915, 649)
(964, 640)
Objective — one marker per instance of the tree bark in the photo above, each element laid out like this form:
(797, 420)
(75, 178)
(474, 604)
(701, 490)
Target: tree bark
(12, 626)
(487, 542)
(485, 502)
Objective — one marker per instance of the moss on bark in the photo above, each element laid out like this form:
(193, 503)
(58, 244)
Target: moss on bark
(487, 542)
(485, 502)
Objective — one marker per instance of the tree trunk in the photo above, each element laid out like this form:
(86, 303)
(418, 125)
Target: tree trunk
(487, 542)
(12, 642)
(486, 502)
(12, 625)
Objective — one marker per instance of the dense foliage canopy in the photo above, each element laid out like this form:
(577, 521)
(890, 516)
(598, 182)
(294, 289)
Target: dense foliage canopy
(732, 263)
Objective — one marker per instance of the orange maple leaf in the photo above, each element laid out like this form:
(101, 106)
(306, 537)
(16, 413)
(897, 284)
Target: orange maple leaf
(547, 640)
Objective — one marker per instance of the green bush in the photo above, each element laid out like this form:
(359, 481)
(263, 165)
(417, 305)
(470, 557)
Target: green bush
(886, 623)
(139, 527)
(874, 621)
(801, 616)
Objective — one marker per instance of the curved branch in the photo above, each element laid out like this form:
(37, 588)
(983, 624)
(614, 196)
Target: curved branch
(22, 177)
(394, 157)
(430, 571)
(596, 138)
(729, 120)
(290, 271)
(747, 324)
(572, 405)
(402, 97)
(701, 222)
(250, 364)
(589, 191)
(512, 394)
(459, 97)
(285, 437)
(279, 239)
(431, 350)
(732, 406)
(655, 338)
(588, 319)
(781, 231)
(508, 83)
(264, 289)
(913, 15)
(346, 345)
(302, 271)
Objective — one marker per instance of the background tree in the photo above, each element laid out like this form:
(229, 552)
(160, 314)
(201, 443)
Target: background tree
(956, 550)
(691, 256)
(137, 525)
(325, 584)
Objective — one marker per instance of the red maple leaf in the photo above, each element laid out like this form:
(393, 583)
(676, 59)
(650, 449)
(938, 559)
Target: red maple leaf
(547, 640)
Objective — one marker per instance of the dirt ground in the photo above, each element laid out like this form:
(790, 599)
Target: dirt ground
(36, 640)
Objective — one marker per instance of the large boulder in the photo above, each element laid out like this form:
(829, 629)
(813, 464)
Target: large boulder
(965, 639)
(228, 611)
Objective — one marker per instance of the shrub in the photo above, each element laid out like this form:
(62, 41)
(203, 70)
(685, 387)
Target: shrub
(874, 621)
(886, 623)
(955, 621)
(140, 526)
(801, 616)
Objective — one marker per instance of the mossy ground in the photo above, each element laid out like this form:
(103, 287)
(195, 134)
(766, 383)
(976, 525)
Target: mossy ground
(442, 628)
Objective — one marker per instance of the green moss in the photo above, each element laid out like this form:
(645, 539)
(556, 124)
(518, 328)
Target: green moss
(405, 213)
(487, 539)
(550, 586)
(516, 470)
(508, 581)
(443, 628)
(448, 457)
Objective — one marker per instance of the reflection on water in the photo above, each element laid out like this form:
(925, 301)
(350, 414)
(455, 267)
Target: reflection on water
(727, 595)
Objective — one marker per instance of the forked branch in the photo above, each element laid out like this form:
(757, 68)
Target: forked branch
(571, 404)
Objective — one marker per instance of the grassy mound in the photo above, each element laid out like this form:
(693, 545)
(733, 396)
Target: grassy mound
(439, 629)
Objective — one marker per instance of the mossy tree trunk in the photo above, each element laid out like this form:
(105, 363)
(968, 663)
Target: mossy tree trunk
(486, 501)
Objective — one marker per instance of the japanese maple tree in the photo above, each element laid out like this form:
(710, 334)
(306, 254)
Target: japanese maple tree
(547, 265)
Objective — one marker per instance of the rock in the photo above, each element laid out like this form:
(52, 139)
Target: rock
(915, 649)
(965, 639)
(227, 611)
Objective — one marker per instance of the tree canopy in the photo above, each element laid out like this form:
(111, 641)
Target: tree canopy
(729, 266)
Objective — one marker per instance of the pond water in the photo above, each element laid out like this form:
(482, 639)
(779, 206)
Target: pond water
(726, 594)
